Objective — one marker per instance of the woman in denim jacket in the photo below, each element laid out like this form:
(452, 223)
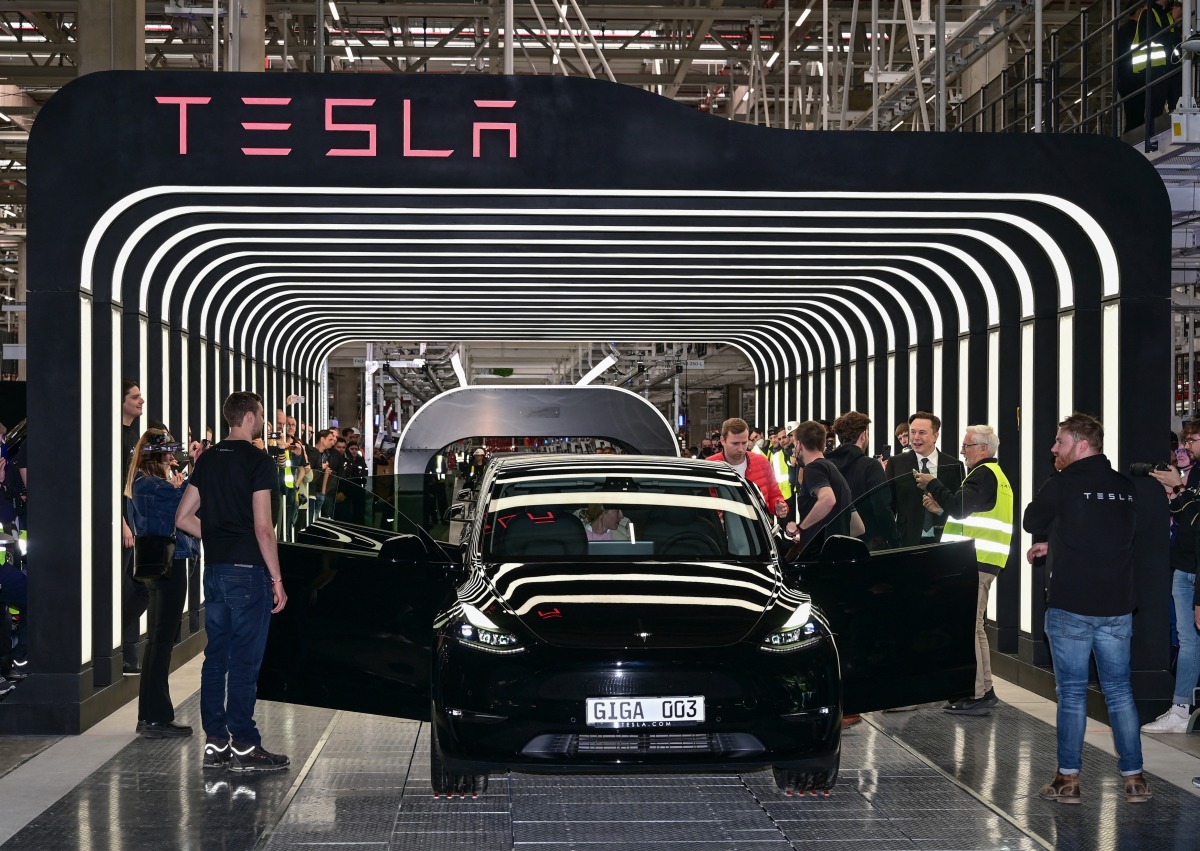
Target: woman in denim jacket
(154, 491)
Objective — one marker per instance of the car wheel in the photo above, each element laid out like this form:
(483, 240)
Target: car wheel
(793, 781)
(450, 783)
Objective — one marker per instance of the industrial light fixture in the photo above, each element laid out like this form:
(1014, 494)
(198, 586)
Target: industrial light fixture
(333, 10)
(597, 370)
(1191, 44)
(459, 372)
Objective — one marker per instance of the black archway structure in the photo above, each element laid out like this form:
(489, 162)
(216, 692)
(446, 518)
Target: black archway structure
(571, 411)
(209, 232)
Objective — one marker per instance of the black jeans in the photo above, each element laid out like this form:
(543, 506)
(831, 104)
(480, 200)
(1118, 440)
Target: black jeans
(166, 607)
(134, 600)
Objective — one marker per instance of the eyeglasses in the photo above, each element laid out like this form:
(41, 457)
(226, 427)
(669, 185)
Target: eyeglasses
(1189, 441)
(965, 445)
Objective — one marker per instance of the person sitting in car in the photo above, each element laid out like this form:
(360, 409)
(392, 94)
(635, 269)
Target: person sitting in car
(604, 523)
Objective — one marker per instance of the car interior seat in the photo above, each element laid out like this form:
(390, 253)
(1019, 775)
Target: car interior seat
(540, 531)
(678, 530)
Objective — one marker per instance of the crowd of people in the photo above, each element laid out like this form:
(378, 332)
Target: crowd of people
(234, 496)
(1082, 521)
(238, 497)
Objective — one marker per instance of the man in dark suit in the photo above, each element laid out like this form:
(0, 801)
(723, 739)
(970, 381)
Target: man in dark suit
(915, 524)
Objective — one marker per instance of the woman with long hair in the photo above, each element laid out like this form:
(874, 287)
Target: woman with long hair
(154, 490)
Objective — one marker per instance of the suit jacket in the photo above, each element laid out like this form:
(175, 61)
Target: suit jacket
(906, 496)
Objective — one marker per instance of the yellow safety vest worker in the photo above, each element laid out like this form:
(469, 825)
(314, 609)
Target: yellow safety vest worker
(1154, 51)
(991, 529)
(779, 465)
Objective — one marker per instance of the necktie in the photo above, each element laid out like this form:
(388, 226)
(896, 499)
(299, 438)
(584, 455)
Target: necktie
(927, 521)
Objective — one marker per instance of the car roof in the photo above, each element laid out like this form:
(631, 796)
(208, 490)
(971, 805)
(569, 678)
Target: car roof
(515, 466)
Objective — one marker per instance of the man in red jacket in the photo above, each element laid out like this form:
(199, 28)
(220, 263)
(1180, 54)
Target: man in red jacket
(735, 442)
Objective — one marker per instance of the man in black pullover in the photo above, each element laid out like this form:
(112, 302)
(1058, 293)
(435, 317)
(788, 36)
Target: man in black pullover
(1083, 520)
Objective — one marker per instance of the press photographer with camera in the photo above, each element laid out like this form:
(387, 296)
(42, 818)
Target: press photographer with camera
(160, 562)
(1184, 505)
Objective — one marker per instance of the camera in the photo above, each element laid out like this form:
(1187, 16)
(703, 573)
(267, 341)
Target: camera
(160, 444)
(1143, 468)
(273, 447)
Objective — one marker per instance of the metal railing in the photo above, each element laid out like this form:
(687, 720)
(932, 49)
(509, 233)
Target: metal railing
(1087, 84)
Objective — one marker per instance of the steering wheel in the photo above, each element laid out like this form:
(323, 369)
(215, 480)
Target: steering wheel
(690, 542)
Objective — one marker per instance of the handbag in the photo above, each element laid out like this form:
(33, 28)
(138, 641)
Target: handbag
(153, 557)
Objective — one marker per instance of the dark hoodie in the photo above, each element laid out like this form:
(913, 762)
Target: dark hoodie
(1087, 515)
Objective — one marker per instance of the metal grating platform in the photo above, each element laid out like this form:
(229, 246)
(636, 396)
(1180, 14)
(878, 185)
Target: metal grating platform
(919, 781)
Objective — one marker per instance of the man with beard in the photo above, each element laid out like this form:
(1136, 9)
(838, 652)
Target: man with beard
(864, 475)
(735, 443)
(1083, 521)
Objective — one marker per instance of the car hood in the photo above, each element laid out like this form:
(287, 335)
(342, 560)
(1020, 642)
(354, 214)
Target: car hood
(645, 605)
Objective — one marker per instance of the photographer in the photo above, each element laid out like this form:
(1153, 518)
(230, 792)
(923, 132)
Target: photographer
(154, 490)
(1185, 508)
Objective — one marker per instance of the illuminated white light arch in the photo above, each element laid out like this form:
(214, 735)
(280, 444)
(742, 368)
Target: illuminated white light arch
(246, 313)
(1104, 250)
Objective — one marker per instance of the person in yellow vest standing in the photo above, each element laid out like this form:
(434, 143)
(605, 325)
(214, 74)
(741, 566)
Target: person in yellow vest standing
(983, 511)
(779, 455)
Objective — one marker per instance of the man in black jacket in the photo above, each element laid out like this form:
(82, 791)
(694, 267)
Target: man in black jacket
(916, 525)
(864, 475)
(1083, 520)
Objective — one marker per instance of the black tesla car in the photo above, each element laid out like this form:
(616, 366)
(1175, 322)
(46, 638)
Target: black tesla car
(616, 613)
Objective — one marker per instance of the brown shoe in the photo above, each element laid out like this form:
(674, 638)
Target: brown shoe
(1064, 788)
(1137, 791)
(850, 720)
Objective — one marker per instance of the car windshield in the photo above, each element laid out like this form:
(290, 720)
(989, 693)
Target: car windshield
(621, 518)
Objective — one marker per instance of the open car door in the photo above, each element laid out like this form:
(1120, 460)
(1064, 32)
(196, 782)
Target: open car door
(357, 628)
(903, 618)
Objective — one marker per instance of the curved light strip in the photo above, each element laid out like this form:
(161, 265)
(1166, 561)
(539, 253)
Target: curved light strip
(1023, 281)
(803, 261)
(1110, 278)
(250, 323)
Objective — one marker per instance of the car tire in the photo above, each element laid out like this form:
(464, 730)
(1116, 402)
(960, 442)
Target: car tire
(450, 783)
(795, 781)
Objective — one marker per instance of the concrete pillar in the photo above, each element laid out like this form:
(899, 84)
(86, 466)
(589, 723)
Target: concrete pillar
(112, 35)
(245, 47)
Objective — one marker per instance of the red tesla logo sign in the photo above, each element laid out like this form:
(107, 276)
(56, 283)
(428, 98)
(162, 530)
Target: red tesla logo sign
(368, 148)
(552, 613)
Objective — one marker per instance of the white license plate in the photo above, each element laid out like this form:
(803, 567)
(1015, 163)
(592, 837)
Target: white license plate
(644, 711)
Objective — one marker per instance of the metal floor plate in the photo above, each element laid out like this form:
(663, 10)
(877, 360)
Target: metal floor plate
(919, 781)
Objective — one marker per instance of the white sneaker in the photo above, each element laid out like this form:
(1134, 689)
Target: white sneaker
(1174, 720)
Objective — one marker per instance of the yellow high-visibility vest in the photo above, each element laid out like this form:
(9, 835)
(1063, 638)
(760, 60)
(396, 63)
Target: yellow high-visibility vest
(779, 465)
(992, 529)
(1154, 52)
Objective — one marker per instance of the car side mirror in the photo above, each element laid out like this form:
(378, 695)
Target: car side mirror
(842, 549)
(403, 549)
(463, 495)
(458, 511)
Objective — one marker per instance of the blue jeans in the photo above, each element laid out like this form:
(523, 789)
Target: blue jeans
(1187, 668)
(1073, 640)
(237, 615)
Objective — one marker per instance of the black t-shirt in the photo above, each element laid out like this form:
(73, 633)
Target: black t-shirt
(818, 474)
(227, 476)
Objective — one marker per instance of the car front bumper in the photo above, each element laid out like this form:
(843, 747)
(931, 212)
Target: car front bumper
(527, 710)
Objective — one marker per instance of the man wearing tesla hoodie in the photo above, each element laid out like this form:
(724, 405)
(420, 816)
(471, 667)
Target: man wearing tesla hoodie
(1083, 519)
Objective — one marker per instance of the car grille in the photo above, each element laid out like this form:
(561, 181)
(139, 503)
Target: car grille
(589, 744)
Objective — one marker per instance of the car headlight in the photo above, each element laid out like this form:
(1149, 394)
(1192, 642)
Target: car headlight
(799, 632)
(475, 629)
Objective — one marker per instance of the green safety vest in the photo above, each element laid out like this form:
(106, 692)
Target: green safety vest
(992, 529)
(1154, 51)
(779, 465)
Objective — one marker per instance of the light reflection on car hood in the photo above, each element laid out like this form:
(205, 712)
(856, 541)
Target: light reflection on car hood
(636, 604)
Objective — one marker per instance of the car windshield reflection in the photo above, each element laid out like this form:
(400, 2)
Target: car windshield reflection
(630, 518)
